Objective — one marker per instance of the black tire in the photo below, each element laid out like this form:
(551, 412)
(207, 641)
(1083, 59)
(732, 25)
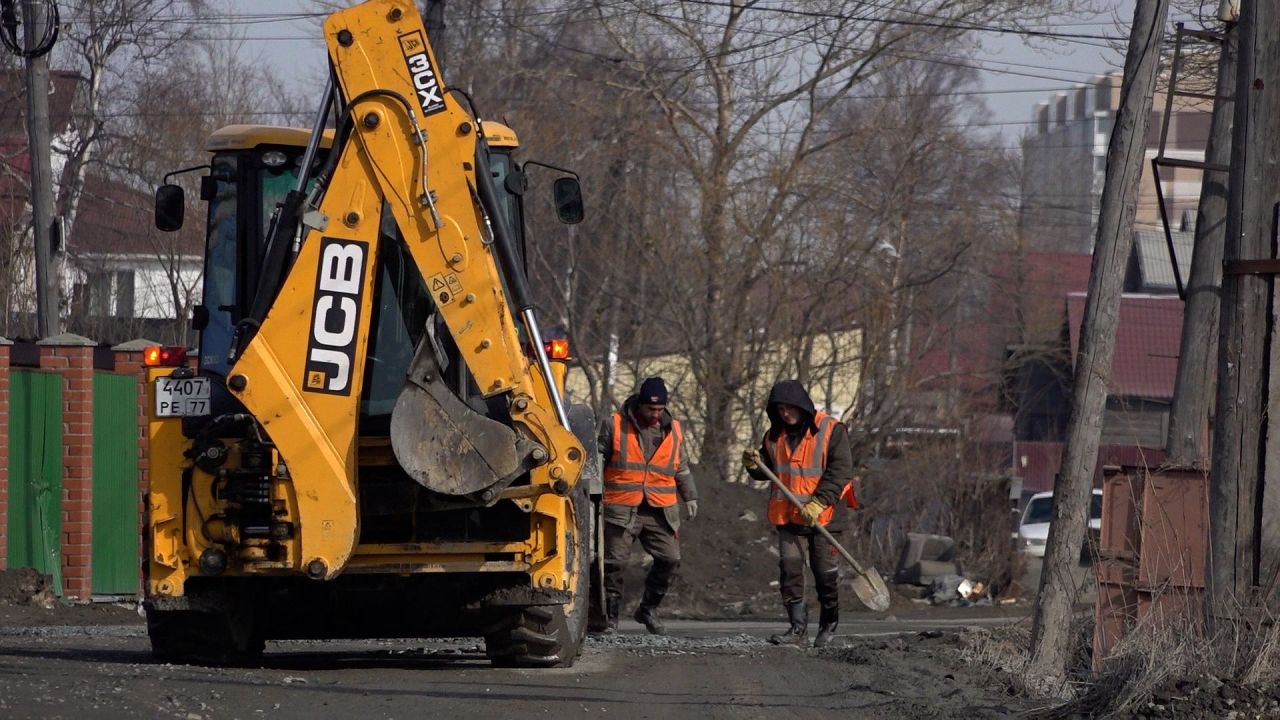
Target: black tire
(542, 636)
(200, 638)
(531, 637)
(597, 618)
(221, 632)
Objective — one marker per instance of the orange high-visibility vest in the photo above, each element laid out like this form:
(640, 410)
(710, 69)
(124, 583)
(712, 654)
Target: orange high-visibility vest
(801, 470)
(630, 478)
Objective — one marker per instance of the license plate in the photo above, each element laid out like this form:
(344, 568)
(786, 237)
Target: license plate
(182, 397)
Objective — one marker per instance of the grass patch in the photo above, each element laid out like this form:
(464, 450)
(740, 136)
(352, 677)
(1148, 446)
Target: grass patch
(1177, 669)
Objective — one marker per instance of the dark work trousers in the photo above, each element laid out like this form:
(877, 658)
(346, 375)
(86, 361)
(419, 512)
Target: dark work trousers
(657, 538)
(794, 541)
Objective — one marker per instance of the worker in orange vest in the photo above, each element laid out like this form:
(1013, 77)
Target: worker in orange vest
(644, 474)
(809, 452)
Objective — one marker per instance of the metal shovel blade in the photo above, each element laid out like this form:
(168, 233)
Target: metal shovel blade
(871, 590)
(867, 583)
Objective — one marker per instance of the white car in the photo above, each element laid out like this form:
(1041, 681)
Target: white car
(1033, 531)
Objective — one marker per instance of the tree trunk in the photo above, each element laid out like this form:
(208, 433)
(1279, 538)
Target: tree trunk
(1237, 539)
(48, 320)
(1198, 353)
(1050, 630)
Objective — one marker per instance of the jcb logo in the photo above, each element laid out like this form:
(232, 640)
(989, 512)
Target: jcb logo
(425, 79)
(335, 318)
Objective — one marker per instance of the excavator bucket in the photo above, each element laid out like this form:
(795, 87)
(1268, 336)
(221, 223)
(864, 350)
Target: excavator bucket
(445, 445)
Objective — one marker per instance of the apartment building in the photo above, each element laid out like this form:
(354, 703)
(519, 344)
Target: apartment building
(1064, 163)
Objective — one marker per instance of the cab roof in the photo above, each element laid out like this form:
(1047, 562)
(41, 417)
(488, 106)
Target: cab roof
(244, 137)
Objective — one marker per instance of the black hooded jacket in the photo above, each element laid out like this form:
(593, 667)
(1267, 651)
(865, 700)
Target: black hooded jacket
(839, 468)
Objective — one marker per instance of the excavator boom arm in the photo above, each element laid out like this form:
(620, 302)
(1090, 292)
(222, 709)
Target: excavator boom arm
(413, 149)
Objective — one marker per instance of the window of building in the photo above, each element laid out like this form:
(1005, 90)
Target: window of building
(106, 293)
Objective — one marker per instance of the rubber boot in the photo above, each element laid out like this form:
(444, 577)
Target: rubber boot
(827, 622)
(798, 614)
(612, 610)
(647, 615)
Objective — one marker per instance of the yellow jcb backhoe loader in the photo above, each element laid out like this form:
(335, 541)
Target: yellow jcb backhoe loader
(373, 440)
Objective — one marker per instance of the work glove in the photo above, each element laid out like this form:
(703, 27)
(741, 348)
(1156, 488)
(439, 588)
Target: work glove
(812, 510)
(750, 460)
(691, 508)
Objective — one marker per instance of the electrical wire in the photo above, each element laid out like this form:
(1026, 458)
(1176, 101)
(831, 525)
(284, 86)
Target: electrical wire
(9, 24)
(930, 21)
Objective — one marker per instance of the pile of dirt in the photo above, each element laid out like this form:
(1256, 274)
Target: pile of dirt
(1207, 696)
(28, 600)
(729, 555)
(926, 675)
(26, 586)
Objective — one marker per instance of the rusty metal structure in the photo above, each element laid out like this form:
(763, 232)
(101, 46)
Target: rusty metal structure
(1151, 555)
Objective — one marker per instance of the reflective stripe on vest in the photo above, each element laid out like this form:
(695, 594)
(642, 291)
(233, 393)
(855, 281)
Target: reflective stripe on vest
(801, 470)
(629, 478)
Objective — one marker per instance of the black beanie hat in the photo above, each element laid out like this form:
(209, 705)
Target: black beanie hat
(653, 392)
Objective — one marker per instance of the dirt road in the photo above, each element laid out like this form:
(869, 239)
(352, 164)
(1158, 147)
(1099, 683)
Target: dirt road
(882, 669)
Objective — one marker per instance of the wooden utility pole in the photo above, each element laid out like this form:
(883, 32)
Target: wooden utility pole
(1193, 393)
(1237, 541)
(1050, 629)
(37, 80)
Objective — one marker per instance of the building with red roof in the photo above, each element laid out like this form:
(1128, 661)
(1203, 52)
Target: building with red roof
(1037, 305)
(120, 279)
(1139, 389)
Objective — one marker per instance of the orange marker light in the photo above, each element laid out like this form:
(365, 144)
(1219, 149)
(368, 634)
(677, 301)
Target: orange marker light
(558, 349)
(157, 356)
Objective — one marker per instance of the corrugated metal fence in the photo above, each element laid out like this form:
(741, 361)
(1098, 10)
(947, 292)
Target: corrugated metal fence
(71, 478)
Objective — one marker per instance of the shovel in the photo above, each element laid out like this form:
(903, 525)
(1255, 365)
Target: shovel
(867, 583)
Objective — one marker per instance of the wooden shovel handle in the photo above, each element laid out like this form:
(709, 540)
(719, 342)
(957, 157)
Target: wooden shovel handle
(796, 501)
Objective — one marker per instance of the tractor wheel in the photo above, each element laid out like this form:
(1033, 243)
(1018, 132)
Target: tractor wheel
(218, 633)
(597, 618)
(550, 635)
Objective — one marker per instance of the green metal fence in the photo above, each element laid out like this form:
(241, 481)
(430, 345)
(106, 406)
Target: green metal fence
(35, 472)
(115, 484)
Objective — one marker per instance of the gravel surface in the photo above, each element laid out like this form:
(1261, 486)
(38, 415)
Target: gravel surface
(93, 660)
(704, 670)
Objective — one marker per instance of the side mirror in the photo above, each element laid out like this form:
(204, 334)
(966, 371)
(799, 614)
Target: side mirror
(568, 198)
(199, 317)
(170, 203)
(516, 183)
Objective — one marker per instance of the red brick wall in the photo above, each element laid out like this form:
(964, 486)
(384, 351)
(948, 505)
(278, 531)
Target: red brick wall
(4, 455)
(130, 363)
(76, 365)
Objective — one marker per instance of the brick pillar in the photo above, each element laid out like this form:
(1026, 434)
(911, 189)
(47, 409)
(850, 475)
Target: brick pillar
(4, 452)
(129, 361)
(72, 356)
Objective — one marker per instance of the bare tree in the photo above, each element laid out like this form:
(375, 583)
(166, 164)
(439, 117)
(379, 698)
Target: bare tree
(743, 94)
(161, 123)
(756, 175)
(918, 202)
(109, 43)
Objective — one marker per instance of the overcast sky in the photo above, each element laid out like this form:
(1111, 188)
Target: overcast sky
(1015, 72)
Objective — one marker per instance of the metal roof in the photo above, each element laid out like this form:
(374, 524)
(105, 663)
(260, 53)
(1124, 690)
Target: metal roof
(1145, 363)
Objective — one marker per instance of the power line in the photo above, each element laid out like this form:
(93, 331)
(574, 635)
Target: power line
(935, 23)
(952, 61)
(9, 30)
(977, 64)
